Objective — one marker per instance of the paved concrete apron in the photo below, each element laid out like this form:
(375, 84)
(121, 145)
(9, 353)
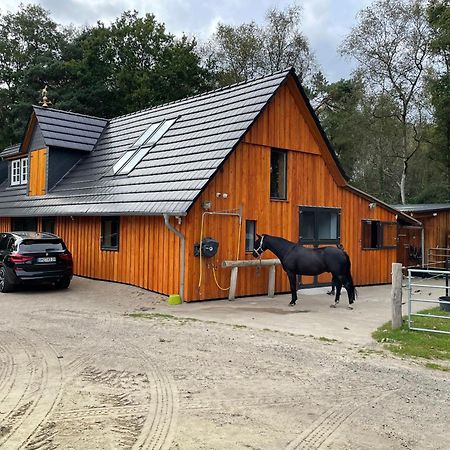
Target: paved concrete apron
(311, 316)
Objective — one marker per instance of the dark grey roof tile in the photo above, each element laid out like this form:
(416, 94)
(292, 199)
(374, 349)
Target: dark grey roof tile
(171, 174)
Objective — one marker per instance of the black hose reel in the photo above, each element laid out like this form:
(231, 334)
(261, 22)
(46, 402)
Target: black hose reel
(210, 246)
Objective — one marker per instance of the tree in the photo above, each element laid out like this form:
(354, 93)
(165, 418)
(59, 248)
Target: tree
(102, 70)
(439, 86)
(30, 43)
(238, 53)
(391, 45)
(364, 145)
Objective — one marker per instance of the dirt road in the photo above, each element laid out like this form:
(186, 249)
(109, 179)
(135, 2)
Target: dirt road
(100, 367)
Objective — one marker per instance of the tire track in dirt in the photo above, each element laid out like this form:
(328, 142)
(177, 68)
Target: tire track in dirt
(16, 385)
(7, 368)
(43, 436)
(135, 409)
(29, 406)
(328, 423)
(159, 428)
(243, 401)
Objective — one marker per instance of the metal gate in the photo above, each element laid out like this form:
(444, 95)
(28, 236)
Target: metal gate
(413, 297)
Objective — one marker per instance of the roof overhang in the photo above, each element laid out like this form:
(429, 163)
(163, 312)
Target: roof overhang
(400, 215)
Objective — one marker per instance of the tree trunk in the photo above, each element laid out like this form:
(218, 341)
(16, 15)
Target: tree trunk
(405, 159)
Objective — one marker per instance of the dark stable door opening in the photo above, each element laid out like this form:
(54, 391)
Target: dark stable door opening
(318, 226)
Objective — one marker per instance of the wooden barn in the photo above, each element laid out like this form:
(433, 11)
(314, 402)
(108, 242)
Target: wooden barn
(428, 246)
(132, 196)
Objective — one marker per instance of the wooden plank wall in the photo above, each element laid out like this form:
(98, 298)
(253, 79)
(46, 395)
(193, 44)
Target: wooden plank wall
(245, 177)
(148, 253)
(5, 224)
(436, 229)
(38, 171)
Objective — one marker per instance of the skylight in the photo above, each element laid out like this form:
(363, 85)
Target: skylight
(141, 147)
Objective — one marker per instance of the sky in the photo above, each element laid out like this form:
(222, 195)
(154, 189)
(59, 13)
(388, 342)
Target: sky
(325, 22)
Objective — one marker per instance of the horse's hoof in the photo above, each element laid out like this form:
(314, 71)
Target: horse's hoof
(291, 304)
(350, 307)
(333, 306)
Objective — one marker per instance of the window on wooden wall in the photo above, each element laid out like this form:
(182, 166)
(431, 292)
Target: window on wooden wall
(319, 225)
(278, 174)
(24, 224)
(48, 224)
(110, 233)
(377, 234)
(250, 235)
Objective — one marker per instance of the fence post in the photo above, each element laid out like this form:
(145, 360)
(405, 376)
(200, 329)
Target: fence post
(233, 283)
(271, 286)
(396, 295)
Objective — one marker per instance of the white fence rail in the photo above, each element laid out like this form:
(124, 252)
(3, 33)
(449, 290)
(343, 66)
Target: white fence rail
(413, 298)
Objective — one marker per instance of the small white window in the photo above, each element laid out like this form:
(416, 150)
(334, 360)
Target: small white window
(24, 171)
(15, 172)
(19, 171)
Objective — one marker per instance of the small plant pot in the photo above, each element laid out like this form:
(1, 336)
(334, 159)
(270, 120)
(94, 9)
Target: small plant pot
(445, 306)
(174, 299)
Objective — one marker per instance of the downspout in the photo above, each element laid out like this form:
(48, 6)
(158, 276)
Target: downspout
(423, 247)
(182, 258)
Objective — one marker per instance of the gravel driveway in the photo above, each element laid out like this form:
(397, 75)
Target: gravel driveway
(101, 366)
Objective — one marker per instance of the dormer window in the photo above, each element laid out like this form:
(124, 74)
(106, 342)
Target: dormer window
(19, 171)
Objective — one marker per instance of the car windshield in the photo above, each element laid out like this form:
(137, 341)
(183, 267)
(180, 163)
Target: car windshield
(39, 246)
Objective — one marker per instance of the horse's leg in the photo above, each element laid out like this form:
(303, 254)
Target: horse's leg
(338, 284)
(332, 291)
(293, 283)
(349, 286)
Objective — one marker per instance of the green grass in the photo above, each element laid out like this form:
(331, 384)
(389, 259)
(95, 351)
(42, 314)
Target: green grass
(163, 316)
(435, 366)
(325, 339)
(421, 344)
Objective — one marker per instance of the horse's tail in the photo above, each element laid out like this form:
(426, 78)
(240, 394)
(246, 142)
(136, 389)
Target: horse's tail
(350, 287)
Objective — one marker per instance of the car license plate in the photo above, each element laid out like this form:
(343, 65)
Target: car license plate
(47, 259)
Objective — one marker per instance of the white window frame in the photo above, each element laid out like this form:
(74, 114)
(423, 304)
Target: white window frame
(19, 171)
(15, 172)
(24, 171)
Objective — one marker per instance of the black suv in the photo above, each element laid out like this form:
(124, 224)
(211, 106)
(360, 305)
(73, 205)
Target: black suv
(33, 257)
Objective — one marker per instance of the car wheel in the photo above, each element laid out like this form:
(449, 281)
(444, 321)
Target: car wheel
(5, 284)
(63, 283)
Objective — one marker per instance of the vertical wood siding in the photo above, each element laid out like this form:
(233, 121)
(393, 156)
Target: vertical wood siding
(436, 230)
(148, 254)
(5, 224)
(312, 180)
(38, 172)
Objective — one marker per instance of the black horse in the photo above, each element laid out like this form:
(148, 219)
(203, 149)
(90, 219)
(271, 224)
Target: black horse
(298, 260)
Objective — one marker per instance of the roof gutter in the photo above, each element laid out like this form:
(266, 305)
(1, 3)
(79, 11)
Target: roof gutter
(182, 238)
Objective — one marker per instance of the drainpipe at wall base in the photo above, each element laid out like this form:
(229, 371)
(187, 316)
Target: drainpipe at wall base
(423, 247)
(183, 239)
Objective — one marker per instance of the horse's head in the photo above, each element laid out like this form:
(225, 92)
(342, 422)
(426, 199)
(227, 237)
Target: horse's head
(259, 246)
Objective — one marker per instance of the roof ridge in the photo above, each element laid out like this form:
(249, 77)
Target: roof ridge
(223, 88)
(70, 112)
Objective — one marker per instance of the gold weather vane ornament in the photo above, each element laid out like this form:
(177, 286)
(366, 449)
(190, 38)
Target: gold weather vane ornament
(45, 102)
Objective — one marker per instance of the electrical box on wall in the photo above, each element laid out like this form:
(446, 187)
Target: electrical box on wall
(209, 245)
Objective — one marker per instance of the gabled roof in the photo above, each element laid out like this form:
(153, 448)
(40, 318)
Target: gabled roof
(10, 151)
(69, 130)
(174, 172)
